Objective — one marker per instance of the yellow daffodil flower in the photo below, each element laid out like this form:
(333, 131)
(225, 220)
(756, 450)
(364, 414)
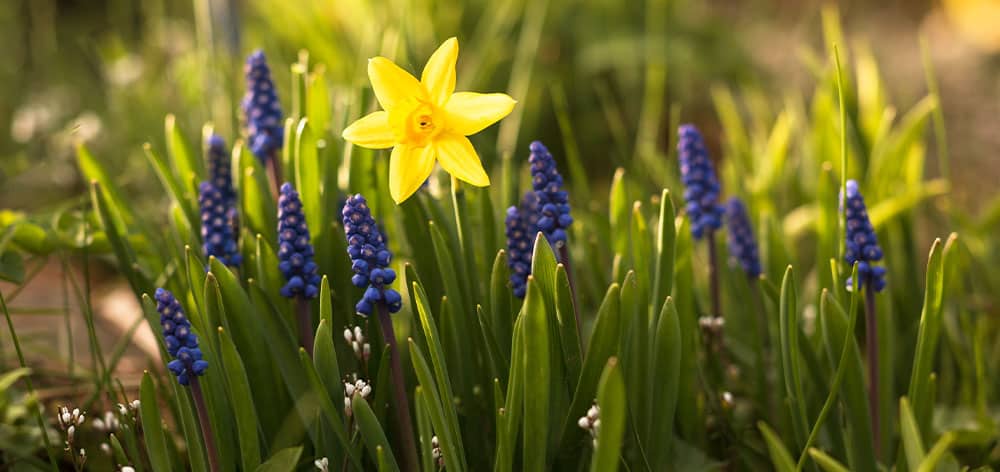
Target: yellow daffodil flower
(426, 121)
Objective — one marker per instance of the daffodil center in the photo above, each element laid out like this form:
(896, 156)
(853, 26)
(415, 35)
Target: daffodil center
(415, 122)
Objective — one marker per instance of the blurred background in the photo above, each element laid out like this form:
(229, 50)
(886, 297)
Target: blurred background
(611, 73)
(106, 72)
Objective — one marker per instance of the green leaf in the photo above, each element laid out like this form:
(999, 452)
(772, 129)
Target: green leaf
(425, 432)
(910, 433)
(543, 269)
(861, 455)
(569, 332)
(619, 212)
(928, 335)
(827, 463)
(316, 392)
(185, 200)
(152, 426)
(441, 391)
(372, 432)
(500, 304)
(241, 401)
(611, 401)
(513, 403)
(284, 460)
(536, 374)
(189, 167)
(325, 360)
(642, 256)
(602, 346)
(11, 267)
(94, 172)
(127, 262)
(663, 275)
(938, 452)
(448, 433)
(790, 356)
(780, 457)
(258, 211)
(664, 384)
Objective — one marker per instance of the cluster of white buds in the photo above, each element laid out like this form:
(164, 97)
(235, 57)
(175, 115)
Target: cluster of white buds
(350, 388)
(107, 424)
(591, 422)
(713, 324)
(354, 337)
(436, 452)
(322, 464)
(127, 468)
(68, 421)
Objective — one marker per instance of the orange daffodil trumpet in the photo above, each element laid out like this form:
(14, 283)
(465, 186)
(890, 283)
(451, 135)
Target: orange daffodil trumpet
(426, 121)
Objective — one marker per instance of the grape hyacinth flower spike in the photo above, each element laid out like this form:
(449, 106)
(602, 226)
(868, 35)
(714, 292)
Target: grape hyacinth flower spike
(370, 257)
(553, 202)
(522, 226)
(701, 194)
(187, 365)
(220, 171)
(262, 114)
(862, 248)
(862, 245)
(742, 243)
(218, 232)
(295, 260)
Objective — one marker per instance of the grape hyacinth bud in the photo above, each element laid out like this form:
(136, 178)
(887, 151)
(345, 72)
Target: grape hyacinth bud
(591, 422)
(701, 185)
(261, 110)
(217, 232)
(370, 257)
(220, 171)
(350, 388)
(553, 202)
(862, 245)
(182, 343)
(742, 243)
(295, 252)
(522, 226)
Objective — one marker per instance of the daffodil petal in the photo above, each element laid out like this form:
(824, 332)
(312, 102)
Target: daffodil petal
(439, 73)
(391, 83)
(409, 167)
(457, 156)
(469, 112)
(371, 131)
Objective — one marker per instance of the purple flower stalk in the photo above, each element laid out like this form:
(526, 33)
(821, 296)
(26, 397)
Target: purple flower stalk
(370, 257)
(295, 252)
(261, 110)
(522, 226)
(220, 171)
(701, 185)
(862, 244)
(742, 243)
(218, 231)
(553, 202)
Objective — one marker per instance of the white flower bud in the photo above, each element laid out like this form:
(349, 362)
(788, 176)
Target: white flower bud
(105, 448)
(70, 432)
(128, 468)
(365, 391)
(357, 334)
(322, 464)
(348, 336)
(135, 404)
(583, 422)
(64, 419)
(349, 389)
(366, 352)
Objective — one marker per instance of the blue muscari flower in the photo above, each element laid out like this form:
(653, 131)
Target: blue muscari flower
(370, 257)
(862, 245)
(218, 232)
(742, 243)
(553, 203)
(522, 226)
(701, 186)
(261, 110)
(220, 172)
(295, 252)
(182, 343)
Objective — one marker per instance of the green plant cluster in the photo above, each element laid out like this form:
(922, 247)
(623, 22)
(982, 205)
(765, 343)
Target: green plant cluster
(498, 383)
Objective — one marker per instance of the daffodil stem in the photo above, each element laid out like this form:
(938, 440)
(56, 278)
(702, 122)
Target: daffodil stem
(871, 345)
(401, 407)
(564, 259)
(206, 426)
(305, 323)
